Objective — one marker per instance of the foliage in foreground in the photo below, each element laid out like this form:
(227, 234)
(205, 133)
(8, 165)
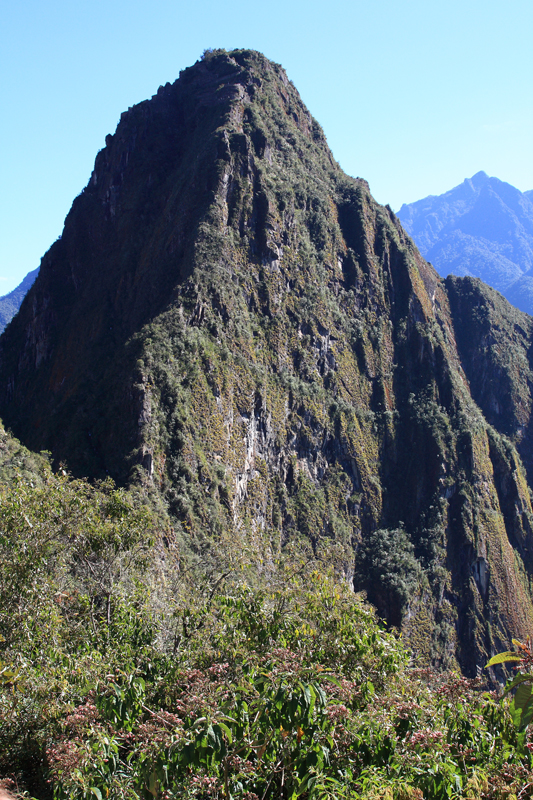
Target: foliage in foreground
(521, 683)
(122, 678)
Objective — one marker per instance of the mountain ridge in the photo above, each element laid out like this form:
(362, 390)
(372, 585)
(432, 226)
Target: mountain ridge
(10, 303)
(483, 228)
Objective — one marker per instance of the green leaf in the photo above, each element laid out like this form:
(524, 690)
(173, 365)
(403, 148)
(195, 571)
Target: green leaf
(501, 658)
(517, 680)
(307, 695)
(313, 700)
(211, 736)
(331, 679)
(97, 793)
(527, 715)
(153, 786)
(522, 696)
(226, 730)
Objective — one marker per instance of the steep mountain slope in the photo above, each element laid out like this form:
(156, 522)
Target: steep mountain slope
(231, 320)
(483, 228)
(10, 303)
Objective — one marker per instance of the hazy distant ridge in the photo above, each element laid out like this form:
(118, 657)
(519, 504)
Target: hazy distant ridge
(10, 303)
(483, 227)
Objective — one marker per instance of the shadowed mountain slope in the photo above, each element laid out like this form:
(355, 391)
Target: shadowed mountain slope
(231, 320)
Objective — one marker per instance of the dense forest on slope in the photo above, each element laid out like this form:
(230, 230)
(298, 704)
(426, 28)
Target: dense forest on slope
(482, 228)
(295, 409)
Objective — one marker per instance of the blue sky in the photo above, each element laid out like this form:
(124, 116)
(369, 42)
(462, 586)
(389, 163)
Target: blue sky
(414, 96)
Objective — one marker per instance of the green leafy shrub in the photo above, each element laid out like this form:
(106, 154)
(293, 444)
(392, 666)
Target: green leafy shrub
(386, 567)
(123, 679)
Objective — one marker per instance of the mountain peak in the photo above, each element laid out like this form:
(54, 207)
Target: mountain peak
(235, 324)
(482, 227)
(479, 178)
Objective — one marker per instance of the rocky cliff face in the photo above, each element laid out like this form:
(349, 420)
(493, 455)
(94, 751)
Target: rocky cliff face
(233, 321)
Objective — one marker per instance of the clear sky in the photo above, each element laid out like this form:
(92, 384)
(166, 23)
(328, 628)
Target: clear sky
(413, 96)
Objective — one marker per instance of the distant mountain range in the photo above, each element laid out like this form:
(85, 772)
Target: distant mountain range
(10, 303)
(482, 228)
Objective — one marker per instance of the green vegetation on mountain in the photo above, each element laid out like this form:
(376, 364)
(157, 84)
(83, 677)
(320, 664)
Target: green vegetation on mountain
(494, 342)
